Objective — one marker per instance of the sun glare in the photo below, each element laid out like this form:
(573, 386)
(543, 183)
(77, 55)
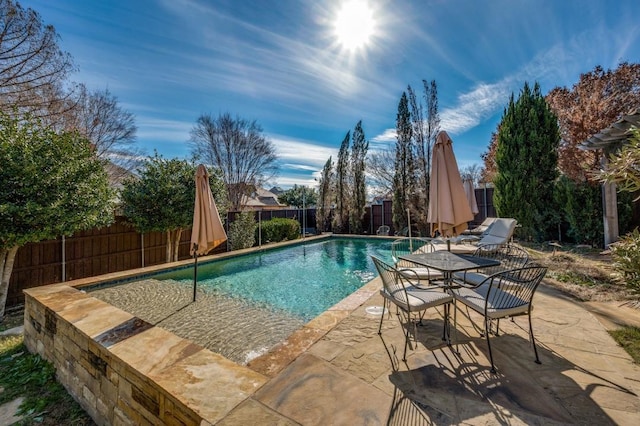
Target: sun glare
(354, 24)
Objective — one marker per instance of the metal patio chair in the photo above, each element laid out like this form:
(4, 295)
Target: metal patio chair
(509, 255)
(410, 270)
(410, 301)
(494, 300)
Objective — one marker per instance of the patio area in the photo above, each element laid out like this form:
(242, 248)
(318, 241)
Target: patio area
(338, 370)
(354, 376)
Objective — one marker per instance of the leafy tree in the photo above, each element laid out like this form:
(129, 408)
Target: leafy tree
(341, 217)
(238, 148)
(596, 101)
(323, 212)
(299, 197)
(359, 148)
(52, 185)
(404, 177)
(32, 66)
(526, 160)
(162, 199)
(489, 158)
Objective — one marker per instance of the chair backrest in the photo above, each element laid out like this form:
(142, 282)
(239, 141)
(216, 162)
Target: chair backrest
(383, 230)
(500, 232)
(485, 225)
(408, 245)
(509, 255)
(392, 280)
(514, 288)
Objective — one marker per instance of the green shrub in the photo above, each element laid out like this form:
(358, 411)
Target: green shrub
(580, 206)
(626, 258)
(242, 231)
(279, 229)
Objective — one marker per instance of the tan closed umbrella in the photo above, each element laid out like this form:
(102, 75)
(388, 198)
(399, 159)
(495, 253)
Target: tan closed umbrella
(207, 232)
(470, 192)
(449, 209)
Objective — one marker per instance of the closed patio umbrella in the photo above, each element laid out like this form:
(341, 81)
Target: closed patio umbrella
(471, 196)
(207, 232)
(449, 209)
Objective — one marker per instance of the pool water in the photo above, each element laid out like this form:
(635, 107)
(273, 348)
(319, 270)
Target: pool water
(304, 280)
(248, 304)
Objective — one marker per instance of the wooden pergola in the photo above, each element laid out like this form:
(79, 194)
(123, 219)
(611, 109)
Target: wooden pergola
(610, 140)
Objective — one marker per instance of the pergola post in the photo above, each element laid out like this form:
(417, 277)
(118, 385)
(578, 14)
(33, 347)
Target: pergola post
(610, 213)
(609, 140)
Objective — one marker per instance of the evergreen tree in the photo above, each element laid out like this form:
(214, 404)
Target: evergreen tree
(359, 148)
(341, 218)
(323, 212)
(526, 162)
(404, 177)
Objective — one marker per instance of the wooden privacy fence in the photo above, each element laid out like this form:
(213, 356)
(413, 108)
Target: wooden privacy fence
(88, 253)
(119, 247)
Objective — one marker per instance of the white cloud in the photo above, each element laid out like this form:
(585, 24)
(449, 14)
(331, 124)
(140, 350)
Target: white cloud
(303, 153)
(163, 130)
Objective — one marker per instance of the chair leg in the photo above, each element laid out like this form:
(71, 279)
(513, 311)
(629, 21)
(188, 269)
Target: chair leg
(487, 325)
(533, 340)
(446, 329)
(384, 307)
(406, 335)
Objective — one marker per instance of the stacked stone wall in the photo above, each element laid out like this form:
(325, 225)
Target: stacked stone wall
(111, 391)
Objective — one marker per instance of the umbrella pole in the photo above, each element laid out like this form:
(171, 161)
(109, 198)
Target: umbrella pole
(195, 269)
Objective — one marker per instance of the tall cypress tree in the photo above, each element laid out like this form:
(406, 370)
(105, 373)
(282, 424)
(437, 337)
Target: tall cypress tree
(324, 200)
(341, 218)
(359, 148)
(527, 163)
(404, 177)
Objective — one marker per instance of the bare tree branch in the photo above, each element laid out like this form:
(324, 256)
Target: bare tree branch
(32, 66)
(237, 147)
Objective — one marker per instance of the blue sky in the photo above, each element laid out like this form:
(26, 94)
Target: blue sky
(281, 63)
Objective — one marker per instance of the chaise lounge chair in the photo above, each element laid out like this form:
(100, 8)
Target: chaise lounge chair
(499, 232)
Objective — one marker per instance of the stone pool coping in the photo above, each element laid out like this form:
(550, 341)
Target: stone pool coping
(95, 348)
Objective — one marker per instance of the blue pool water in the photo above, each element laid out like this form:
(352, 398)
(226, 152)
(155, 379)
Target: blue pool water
(303, 280)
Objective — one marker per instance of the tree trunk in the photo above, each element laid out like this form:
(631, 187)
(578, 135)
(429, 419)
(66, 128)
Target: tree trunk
(7, 258)
(168, 246)
(176, 243)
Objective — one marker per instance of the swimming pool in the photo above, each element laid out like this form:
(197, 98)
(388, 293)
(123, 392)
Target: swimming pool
(249, 303)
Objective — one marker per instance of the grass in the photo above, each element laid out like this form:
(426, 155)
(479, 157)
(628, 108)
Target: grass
(629, 339)
(13, 318)
(26, 375)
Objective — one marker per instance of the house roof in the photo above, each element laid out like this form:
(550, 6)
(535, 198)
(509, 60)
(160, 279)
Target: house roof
(261, 198)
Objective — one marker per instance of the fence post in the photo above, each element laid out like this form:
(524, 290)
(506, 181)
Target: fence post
(64, 261)
(259, 229)
(142, 238)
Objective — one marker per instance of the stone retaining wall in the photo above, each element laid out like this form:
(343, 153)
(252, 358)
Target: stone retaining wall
(122, 370)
